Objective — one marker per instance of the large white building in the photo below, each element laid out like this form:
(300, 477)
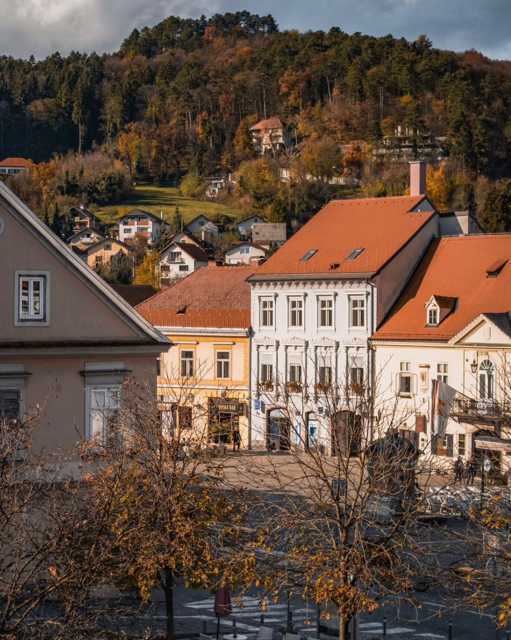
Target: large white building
(453, 323)
(318, 299)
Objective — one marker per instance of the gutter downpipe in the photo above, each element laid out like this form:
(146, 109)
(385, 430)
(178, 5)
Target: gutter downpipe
(371, 356)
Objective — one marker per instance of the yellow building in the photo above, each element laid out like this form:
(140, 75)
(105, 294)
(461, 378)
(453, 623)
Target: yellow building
(204, 377)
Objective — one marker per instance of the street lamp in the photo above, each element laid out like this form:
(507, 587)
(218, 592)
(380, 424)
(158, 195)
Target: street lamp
(473, 366)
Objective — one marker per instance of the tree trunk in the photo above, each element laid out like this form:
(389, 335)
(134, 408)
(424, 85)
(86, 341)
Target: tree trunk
(344, 624)
(168, 582)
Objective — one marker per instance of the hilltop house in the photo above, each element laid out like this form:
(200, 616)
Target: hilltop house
(244, 253)
(317, 301)
(246, 225)
(268, 136)
(13, 166)
(102, 253)
(203, 228)
(85, 219)
(204, 378)
(84, 239)
(178, 260)
(142, 224)
(68, 340)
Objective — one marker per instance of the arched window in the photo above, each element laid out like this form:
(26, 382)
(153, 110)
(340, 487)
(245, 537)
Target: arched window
(486, 380)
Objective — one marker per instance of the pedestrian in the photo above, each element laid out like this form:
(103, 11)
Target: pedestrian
(459, 469)
(471, 471)
(236, 439)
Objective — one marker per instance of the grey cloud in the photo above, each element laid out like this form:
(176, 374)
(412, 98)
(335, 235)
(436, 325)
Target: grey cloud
(41, 26)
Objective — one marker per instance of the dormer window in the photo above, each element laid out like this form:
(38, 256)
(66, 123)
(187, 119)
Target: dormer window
(432, 315)
(438, 308)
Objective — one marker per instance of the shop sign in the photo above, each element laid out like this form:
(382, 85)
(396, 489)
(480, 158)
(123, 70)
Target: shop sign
(493, 445)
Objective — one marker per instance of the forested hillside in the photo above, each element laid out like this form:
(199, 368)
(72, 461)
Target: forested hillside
(180, 97)
(189, 84)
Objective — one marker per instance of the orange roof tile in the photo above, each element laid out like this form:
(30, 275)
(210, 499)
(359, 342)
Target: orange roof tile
(213, 296)
(453, 267)
(270, 123)
(16, 162)
(379, 226)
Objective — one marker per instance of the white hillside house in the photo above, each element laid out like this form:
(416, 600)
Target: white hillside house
(178, 260)
(244, 253)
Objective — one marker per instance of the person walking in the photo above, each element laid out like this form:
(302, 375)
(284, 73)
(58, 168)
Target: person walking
(236, 439)
(471, 471)
(459, 469)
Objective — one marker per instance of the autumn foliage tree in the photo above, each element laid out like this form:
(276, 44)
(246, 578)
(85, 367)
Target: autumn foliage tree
(173, 516)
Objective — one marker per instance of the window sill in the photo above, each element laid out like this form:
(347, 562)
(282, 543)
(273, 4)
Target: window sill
(405, 395)
(31, 323)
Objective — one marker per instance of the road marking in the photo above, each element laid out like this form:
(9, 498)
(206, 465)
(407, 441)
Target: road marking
(429, 635)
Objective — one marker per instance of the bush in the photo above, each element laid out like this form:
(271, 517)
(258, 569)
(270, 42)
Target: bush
(192, 186)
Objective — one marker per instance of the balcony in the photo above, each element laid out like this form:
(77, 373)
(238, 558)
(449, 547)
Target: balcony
(265, 386)
(480, 411)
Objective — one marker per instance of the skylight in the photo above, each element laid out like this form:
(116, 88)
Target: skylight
(355, 253)
(308, 255)
(495, 268)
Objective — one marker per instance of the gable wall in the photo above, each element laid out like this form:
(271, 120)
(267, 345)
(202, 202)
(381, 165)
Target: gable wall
(77, 311)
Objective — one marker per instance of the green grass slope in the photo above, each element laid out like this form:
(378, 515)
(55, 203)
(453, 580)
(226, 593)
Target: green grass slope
(164, 200)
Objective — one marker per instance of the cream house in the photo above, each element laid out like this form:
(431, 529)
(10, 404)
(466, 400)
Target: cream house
(68, 341)
(204, 377)
(452, 324)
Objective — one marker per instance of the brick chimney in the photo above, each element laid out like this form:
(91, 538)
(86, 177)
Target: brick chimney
(417, 178)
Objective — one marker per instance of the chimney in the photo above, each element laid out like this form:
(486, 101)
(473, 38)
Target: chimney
(417, 178)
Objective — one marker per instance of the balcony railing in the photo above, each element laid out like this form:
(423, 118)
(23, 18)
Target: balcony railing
(470, 408)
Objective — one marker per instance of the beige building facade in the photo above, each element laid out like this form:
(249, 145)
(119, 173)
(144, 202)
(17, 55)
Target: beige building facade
(68, 342)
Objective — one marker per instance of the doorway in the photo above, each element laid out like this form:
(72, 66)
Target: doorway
(278, 431)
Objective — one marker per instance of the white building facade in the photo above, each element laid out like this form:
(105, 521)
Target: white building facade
(312, 317)
(452, 324)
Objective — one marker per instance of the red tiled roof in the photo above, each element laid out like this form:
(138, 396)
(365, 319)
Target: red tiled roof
(270, 123)
(192, 250)
(210, 297)
(453, 267)
(16, 162)
(380, 226)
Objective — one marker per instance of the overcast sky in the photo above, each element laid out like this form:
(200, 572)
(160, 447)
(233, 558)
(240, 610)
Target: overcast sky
(40, 27)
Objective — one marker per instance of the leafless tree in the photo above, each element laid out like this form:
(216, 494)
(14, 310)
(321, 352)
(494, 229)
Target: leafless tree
(344, 504)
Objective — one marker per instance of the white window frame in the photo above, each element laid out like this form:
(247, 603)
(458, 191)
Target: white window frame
(44, 277)
(300, 310)
(361, 310)
(181, 360)
(432, 308)
(90, 390)
(264, 369)
(442, 372)
(223, 363)
(404, 372)
(327, 311)
(270, 310)
(295, 366)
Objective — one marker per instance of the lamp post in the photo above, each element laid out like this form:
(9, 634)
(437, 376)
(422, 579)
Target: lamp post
(485, 468)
